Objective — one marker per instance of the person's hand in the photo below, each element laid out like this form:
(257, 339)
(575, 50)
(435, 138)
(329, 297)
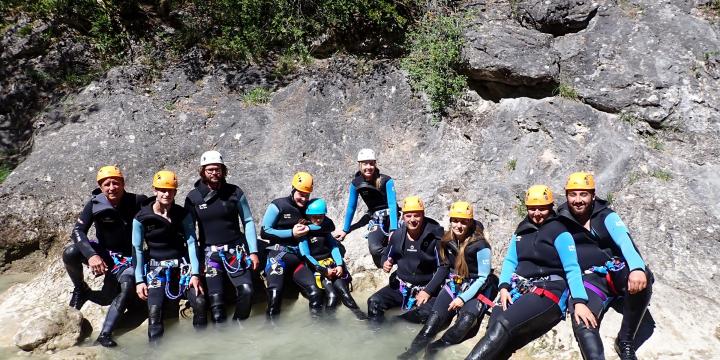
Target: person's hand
(195, 284)
(339, 271)
(142, 291)
(255, 261)
(505, 298)
(97, 265)
(456, 304)
(300, 230)
(637, 281)
(583, 313)
(387, 266)
(422, 297)
(340, 235)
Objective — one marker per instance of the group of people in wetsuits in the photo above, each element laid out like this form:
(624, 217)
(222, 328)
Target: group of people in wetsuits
(576, 259)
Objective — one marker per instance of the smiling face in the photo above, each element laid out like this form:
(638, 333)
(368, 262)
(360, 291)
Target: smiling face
(414, 220)
(165, 197)
(113, 188)
(580, 201)
(367, 169)
(301, 198)
(460, 227)
(538, 214)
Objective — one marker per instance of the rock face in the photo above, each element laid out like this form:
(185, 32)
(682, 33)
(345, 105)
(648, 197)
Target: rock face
(56, 328)
(645, 126)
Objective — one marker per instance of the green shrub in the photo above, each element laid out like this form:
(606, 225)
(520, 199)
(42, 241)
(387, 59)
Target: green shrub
(434, 59)
(257, 96)
(511, 164)
(661, 174)
(4, 172)
(567, 91)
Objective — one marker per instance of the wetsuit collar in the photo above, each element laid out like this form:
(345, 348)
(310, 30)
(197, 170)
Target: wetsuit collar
(597, 206)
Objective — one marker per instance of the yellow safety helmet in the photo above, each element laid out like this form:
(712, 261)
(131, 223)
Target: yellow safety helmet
(538, 195)
(108, 171)
(413, 203)
(165, 179)
(303, 181)
(461, 210)
(580, 181)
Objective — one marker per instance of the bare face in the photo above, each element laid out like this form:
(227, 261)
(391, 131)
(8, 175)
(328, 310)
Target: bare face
(538, 214)
(165, 197)
(580, 201)
(460, 227)
(414, 219)
(213, 173)
(301, 198)
(317, 219)
(113, 188)
(367, 169)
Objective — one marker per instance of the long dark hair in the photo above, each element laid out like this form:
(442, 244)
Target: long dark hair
(476, 233)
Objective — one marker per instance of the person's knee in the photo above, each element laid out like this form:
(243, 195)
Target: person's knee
(244, 290)
(71, 254)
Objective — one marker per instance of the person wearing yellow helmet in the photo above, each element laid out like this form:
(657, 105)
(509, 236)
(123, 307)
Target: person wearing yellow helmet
(230, 251)
(283, 225)
(111, 210)
(469, 283)
(377, 190)
(540, 265)
(592, 222)
(413, 248)
(163, 274)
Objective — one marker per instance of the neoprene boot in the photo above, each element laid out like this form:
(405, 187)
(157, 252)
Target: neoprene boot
(376, 313)
(345, 296)
(495, 340)
(455, 335)
(331, 295)
(79, 296)
(116, 309)
(217, 307)
(634, 309)
(625, 350)
(274, 299)
(155, 322)
(243, 303)
(431, 328)
(199, 307)
(589, 341)
(315, 299)
(106, 340)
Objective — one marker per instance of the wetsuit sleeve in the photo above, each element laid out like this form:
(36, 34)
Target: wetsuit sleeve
(305, 251)
(247, 219)
(80, 230)
(438, 279)
(484, 257)
(335, 252)
(138, 233)
(565, 246)
(269, 219)
(189, 227)
(509, 264)
(350, 209)
(392, 204)
(621, 236)
(190, 208)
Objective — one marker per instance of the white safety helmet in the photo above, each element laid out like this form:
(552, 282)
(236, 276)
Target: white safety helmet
(211, 157)
(366, 155)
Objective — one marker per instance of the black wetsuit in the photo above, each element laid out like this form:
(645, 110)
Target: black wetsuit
(283, 254)
(380, 198)
(418, 268)
(546, 257)
(170, 244)
(113, 229)
(610, 234)
(224, 245)
(480, 282)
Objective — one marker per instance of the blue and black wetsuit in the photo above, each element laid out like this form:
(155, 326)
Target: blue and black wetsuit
(113, 229)
(283, 253)
(609, 233)
(164, 265)
(541, 264)
(380, 198)
(418, 268)
(321, 252)
(478, 284)
(224, 246)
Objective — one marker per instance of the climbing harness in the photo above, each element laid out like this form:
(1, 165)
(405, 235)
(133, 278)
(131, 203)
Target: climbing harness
(521, 286)
(120, 261)
(161, 272)
(409, 292)
(377, 220)
(275, 265)
(613, 265)
(233, 260)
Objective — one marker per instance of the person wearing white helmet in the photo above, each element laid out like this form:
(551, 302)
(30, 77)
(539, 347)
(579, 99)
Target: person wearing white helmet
(230, 250)
(378, 192)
